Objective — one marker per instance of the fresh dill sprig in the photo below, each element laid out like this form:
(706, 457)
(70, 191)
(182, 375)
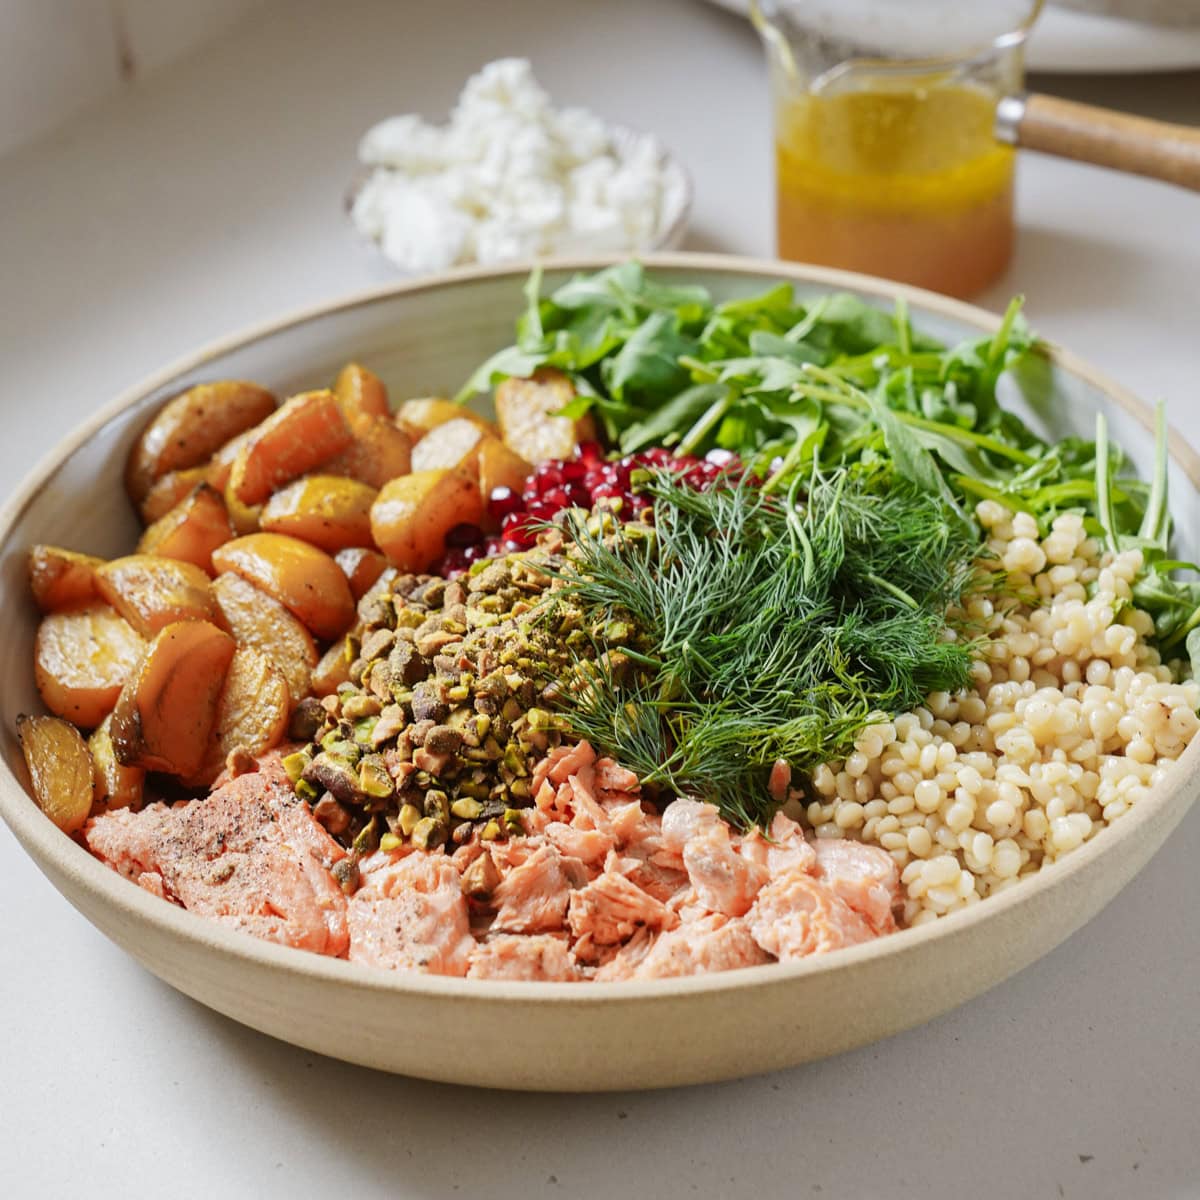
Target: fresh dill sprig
(767, 628)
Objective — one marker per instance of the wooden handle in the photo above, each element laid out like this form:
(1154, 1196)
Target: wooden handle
(1111, 139)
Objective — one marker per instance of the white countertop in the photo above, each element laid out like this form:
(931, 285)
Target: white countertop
(209, 197)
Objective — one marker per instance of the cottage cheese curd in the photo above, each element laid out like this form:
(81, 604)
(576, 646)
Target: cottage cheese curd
(509, 177)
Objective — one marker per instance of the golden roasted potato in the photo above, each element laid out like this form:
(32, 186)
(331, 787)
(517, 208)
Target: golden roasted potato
(151, 592)
(379, 452)
(60, 769)
(220, 466)
(362, 568)
(525, 408)
(332, 671)
(170, 489)
(361, 394)
(498, 466)
(164, 717)
(417, 417)
(303, 433)
(243, 517)
(192, 530)
(117, 786)
(454, 444)
(189, 429)
(261, 622)
(412, 515)
(252, 712)
(304, 579)
(61, 579)
(82, 659)
(329, 511)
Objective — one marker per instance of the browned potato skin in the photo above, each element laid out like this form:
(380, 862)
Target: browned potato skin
(303, 578)
(332, 671)
(82, 658)
(454, 444)
(261, 622)
(169, 490)
(60, 769)
(412, 515)
(308, 430)
(164, 717)
(192, 530)
(362, 568)
(498, 466)
(378, 453)
(418, 417)
(243, 517)
(62, 579)
(117, 786)
(361, 394)
(189, 429)
(329, 511)
(524, 408)
(252, 712)
(151, 592)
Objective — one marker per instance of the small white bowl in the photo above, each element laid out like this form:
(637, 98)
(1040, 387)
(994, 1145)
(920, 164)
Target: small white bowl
(672, 222)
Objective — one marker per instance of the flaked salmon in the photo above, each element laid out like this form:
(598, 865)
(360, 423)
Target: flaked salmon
(865, 877)
(796, 915)
(411, 914)
(249, 855)
(533, 897)
(511, 956)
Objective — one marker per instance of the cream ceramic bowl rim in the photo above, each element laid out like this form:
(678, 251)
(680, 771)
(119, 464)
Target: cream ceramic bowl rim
(107, 887)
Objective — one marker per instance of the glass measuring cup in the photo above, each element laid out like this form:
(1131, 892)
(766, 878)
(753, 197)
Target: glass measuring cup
(886, 156)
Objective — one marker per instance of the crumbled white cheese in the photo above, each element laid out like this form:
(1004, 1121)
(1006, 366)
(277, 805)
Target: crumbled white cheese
(511, 177)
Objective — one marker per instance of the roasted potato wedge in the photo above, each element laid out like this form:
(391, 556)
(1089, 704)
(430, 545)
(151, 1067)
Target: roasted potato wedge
(417, 417)
(60, 769)
(60, 579)
(412, 515)
(243, 517)
(82, 659)
(252, 712)
(454, 444)
(498, 466)
(117, 786)
(332, 671)
(171, 489)
(305, 432)
(379, 452)
(261, 622)
(152, 592)
(304, 579)
(192, 530)
(525, 408)
(188, 430)
(164, 717)
(329, 511)
(362, 567)
(220, 466)
(361, 394)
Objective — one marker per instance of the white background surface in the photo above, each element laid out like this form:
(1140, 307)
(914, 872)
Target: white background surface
(207, 197)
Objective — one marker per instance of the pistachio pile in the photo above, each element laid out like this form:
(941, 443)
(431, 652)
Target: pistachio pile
(448, 707)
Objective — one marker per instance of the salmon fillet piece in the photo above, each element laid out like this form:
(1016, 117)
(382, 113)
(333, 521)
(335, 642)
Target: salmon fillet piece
(683, 820)
(412, 915)
(725, 881)
(533, 897)
(590, 846)
(796, 915)
(249, 855)
(612, 908)
(789, 850)
(713, 943)
(541, 956)
(865, 877)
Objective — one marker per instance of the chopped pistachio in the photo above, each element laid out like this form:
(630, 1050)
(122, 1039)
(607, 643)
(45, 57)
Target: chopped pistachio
(407, 818)
(390, 842)
(466, 809)
(428, 833)
(490, 832)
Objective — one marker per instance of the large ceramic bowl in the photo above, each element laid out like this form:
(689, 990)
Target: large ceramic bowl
(423, 337)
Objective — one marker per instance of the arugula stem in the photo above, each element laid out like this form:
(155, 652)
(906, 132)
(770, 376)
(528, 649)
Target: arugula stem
(1155, 521)
(712, 417)
(1104, 501)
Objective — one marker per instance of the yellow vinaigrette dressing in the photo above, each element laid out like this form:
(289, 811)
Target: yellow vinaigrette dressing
(910, 184)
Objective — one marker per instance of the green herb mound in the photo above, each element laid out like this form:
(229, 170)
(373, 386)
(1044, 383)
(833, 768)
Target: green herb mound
(773, 628)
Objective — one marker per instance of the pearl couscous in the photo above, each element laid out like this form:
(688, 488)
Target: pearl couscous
(1071, 720)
